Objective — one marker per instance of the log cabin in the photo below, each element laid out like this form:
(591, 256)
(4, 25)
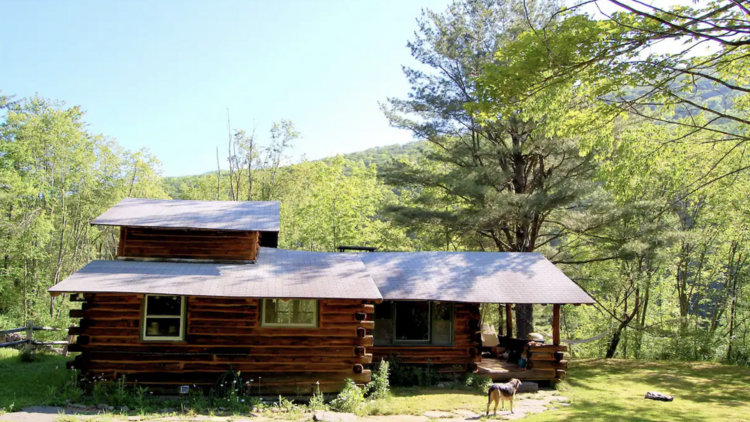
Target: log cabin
(199, 288)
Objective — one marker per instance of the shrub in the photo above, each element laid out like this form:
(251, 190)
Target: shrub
(411, 375)
(317, 402)
(351, 399)
(478, 382)
(379, 387)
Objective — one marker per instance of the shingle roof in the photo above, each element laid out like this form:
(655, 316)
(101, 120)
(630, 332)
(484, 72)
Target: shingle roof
(488, 277)
(485, 277)
(278, 273)
(215, 215)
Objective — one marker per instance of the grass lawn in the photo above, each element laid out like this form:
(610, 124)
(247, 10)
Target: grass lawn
(25, 384)
(599, 390)
(613, 390)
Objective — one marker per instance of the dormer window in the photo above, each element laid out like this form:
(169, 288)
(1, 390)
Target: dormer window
(163, 318)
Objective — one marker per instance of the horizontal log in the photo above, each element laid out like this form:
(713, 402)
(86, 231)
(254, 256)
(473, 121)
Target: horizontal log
(367, 309)
(183, 349)
(243, 310)
(545, 356)
(563, 364)
(420, 353)
(124, 332)
(211, 359)
(368, 325)
(271, 331)
(240, 341)
(223, 323)
(560, 374)
(111, 323)
(104, 315)
(111, 307)
(410, 349)
(255, 367)
(345, 302)
(221, 316)
(223, 301)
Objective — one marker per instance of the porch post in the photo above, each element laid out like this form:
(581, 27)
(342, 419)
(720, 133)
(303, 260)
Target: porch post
(508, 320)
(556, 325)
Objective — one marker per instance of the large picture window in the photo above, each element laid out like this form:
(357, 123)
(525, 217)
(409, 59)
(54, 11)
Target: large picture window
(290, 313)
(413, 322)
(163, 318)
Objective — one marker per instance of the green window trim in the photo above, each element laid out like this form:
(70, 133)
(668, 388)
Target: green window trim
(313, 324)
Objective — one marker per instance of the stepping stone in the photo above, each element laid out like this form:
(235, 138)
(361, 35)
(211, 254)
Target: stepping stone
(528, 387)
(334, 417)
(466, 413)
(434, 414)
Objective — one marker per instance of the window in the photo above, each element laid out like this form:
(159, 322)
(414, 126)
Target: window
(413, 322)
(383, 332)
(290, 313)
(163, 318)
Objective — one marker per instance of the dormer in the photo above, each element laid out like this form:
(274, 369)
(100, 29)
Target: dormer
(194, 230)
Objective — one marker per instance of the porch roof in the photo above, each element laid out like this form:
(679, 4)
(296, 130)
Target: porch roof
(277, 273)
(487, 277)
(203, 215)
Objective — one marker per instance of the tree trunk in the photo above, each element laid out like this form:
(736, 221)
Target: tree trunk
(524, 320)
(615, 340)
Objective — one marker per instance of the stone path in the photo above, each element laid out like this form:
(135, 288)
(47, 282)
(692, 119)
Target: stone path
(524, 405)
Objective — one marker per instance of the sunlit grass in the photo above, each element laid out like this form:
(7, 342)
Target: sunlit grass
(614, 390)
(29, 383)
(599, 390)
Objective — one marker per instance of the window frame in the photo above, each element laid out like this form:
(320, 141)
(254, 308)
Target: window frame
(418, 343)
(264, 324)
(182, 317)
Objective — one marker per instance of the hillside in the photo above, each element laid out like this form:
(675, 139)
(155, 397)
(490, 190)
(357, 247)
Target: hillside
(377, 156)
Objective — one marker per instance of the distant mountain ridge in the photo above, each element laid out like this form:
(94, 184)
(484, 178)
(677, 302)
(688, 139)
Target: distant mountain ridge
(378, 156)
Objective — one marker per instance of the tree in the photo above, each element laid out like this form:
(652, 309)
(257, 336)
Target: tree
(509, 173)
(54, 178)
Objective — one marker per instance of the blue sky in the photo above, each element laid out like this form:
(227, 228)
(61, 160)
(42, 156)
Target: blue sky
(162, 74)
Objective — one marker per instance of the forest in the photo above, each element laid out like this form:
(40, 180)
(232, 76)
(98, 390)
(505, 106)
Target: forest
(617, 146)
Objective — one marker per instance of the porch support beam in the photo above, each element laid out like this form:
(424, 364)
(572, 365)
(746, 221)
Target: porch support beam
(509, 320)
(556, 325)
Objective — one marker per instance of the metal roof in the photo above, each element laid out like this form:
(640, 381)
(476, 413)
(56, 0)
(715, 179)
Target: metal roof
(212, 215)
(487, 277)
(278, 273)
(484, 277)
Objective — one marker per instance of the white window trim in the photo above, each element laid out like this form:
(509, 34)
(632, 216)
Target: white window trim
(314, 324)
(181, 317)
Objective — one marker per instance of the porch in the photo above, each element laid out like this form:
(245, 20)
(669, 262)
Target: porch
(540, 361)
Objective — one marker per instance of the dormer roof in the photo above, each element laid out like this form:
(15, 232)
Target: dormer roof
(260, 216)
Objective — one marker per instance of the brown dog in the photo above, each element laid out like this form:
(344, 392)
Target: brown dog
(502, 392)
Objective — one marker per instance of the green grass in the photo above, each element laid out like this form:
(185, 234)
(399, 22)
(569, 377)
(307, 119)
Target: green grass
(30, 383)
(613, 390)
(599, 390)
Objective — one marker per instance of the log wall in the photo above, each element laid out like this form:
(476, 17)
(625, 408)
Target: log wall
(462, 355)
(548, 360)
(136, 242)
(224, 333)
